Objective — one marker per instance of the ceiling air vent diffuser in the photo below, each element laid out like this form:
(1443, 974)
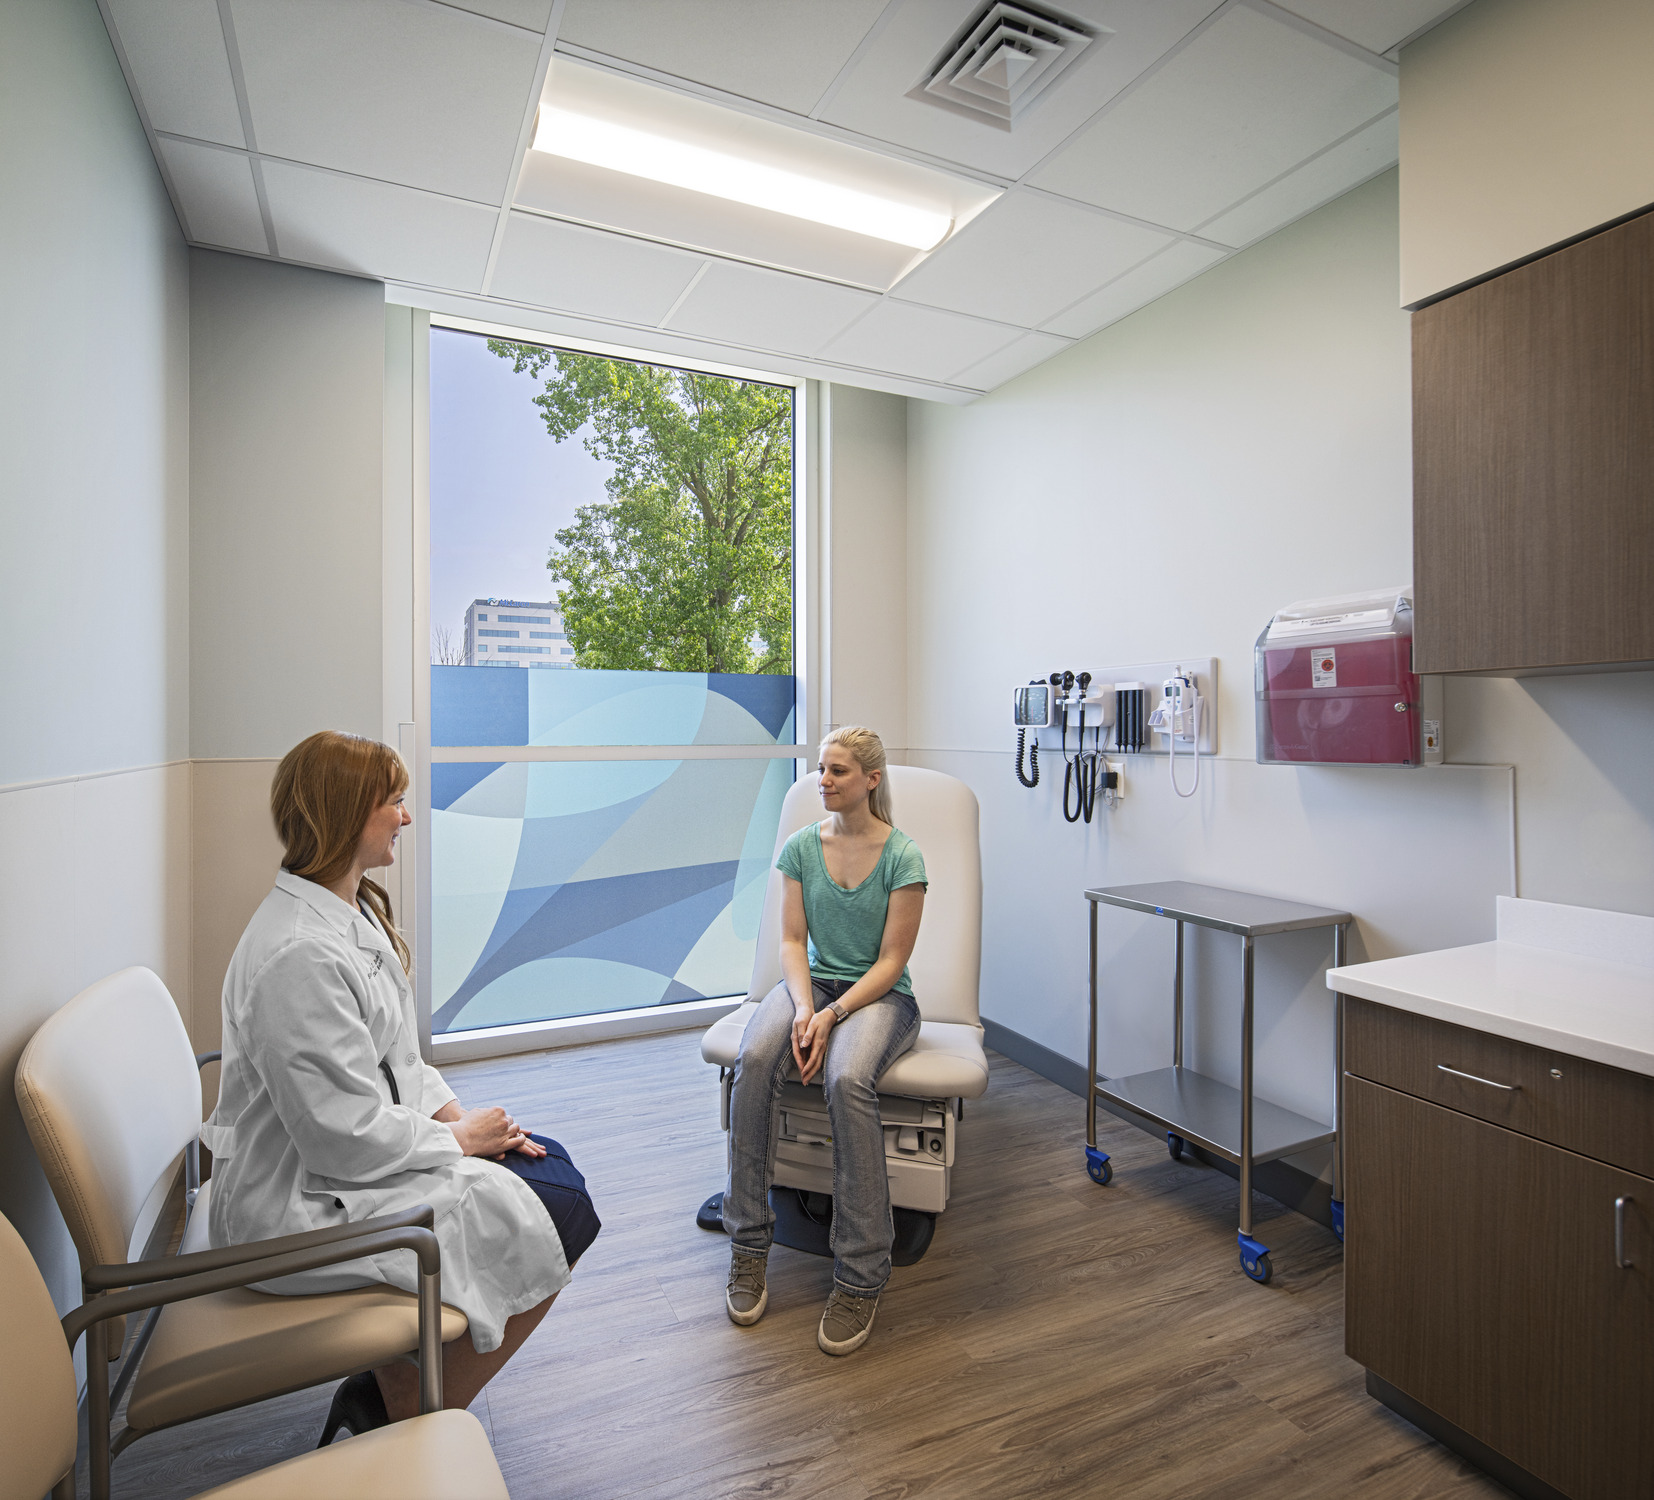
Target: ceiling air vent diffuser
(1003, 59)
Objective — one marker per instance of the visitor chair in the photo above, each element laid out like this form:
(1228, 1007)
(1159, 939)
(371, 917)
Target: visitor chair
(922, 1094)
(439, 1455)
(110, 1093)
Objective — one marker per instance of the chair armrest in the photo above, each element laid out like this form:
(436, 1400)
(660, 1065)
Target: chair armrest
(172, 1267)
(203, 1058)
(222, 1277)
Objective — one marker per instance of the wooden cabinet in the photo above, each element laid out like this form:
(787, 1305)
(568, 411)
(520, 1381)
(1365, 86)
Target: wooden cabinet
(1498, 1280)
(1533, 463)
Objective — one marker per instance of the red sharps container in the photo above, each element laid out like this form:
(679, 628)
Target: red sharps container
(1335, 682)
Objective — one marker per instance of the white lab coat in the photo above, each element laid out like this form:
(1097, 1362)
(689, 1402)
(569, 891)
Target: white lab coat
(305, 1134)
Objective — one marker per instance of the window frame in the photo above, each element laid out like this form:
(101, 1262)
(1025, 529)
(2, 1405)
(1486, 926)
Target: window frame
(808, 612)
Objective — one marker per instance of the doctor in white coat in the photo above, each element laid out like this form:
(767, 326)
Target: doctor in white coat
(318, 1023)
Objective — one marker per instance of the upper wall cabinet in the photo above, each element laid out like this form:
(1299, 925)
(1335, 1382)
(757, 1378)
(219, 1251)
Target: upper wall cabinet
(1533, 464)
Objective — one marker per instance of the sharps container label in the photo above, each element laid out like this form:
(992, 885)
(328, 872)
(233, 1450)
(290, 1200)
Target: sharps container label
(1324, 668)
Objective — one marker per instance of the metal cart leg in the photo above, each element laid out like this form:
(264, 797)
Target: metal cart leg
(1096, 1162)
(1177, 1003)
(1254, 1257)
(1340, 934)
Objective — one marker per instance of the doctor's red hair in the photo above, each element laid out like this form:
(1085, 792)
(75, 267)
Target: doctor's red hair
(325, 790)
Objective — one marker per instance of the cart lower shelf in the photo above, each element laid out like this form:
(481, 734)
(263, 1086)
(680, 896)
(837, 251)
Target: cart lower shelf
(1207, 1113)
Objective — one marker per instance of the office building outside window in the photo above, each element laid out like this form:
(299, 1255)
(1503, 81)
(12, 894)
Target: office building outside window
(510, 619)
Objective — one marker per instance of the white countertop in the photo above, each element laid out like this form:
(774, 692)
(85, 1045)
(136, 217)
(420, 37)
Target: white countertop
(1564, 1001)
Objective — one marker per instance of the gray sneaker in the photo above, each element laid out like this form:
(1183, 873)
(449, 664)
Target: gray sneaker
(746, 1296)
(846, 1322)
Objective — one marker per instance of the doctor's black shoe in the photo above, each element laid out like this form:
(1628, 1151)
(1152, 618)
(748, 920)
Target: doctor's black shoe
(358, 1407)
(846, 1322)
(746, 1296)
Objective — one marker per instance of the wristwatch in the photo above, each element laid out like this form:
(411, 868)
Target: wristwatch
(838, 1010)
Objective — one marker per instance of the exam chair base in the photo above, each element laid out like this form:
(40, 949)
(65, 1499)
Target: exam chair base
(804, 1221)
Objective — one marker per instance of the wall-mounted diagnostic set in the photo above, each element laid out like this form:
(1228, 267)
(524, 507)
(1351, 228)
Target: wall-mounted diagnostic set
(1128, 715)
(1335, 685)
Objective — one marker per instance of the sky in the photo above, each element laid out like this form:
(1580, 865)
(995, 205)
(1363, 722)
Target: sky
(500, 487)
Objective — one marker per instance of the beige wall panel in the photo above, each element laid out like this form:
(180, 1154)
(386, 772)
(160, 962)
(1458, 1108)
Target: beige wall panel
(869, 562)
(237, 857)
(1523, 124)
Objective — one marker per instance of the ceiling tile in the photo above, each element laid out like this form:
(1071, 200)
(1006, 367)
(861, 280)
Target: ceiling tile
(759, 309)
(534, 14)
(1171, 268)
(873, 99)
(218, 201)
(902, 339)
(1376, 25)
(1013, 360)
(1248, 99)
(781, 52)
(1364, 154)
(180, 67)
(423, 95)
(590, 272)
(376, 228)
(1027, 257)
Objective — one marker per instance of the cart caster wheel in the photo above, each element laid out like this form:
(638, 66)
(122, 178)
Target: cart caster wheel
(1176, 1145)
(1098, 1166)
(1338, 1220)
(1254, 1259)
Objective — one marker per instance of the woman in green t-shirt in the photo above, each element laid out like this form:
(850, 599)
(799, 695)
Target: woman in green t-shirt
(852, 898)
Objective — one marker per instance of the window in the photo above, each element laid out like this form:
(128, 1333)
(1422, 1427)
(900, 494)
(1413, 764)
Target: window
(510, 635)
(617, 858)
(482, 617)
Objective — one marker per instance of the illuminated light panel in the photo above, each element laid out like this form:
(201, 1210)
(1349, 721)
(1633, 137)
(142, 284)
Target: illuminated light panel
(601, 143)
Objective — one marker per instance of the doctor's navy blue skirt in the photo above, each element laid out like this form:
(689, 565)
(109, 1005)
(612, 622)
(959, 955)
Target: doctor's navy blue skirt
(558, 1185)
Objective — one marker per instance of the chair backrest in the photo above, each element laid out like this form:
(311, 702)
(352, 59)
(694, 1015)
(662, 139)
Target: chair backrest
(37, 1378)
(939, 813)
(108, 1090)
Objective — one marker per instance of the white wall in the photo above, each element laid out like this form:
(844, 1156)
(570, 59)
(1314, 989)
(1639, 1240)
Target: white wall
(865, 514)
(93, 558)
(1156, 492)
(286, 390)
(1523, 124)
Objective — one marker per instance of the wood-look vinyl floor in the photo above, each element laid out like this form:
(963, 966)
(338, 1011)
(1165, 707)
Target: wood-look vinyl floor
(1059, 1338)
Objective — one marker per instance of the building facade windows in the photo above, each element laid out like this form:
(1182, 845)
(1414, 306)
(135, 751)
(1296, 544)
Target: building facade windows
(525, 619)
(509, 635)
(527, 650)
(478, 633)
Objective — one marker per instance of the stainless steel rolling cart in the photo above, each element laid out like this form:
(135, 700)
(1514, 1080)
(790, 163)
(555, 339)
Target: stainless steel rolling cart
(1193, 1108)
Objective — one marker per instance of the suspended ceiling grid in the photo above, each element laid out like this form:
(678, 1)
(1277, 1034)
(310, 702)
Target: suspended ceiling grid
(387, 138)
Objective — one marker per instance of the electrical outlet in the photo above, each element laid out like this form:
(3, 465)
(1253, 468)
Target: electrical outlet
(1118, 767)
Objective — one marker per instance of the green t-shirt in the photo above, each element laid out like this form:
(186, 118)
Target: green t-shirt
(847, 926)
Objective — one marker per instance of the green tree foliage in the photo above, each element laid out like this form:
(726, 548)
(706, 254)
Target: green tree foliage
(687, 565)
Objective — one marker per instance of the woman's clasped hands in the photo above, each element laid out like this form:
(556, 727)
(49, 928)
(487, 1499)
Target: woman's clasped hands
(489, 1131)
(810, 1030)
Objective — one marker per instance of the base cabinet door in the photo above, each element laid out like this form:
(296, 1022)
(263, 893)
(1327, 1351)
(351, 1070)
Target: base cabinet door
(1507, 1285)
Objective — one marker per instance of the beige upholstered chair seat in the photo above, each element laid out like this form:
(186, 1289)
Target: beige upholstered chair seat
(213, 1353)
(946, 1062)
(444, 1456)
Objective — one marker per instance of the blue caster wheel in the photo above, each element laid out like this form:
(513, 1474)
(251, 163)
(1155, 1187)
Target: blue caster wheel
(1254, 1259)
(1098, 1166)
(1338, 1220)
(1176, 1145)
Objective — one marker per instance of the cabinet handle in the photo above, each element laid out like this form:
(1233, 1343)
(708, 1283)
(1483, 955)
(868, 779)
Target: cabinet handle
(1619, 1232)
(1509, 1088)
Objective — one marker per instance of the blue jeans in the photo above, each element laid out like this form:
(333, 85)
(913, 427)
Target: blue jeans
(859, 1049)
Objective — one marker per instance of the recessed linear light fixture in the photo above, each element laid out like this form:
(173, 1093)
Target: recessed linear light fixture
(638, 153)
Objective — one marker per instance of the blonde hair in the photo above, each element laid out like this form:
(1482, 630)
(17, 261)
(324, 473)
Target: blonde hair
(325, 790)
(868, 750)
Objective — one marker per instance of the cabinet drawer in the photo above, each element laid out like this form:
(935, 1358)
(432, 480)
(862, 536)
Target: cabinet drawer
(1598, 1111)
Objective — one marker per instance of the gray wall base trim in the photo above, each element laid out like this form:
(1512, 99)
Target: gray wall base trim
(1290, 1186)
(1511, 1475)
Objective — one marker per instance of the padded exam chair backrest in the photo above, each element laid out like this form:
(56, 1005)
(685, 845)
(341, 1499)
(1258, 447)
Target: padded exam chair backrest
(108, 1090)
(37, 1378)
(940, 814)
